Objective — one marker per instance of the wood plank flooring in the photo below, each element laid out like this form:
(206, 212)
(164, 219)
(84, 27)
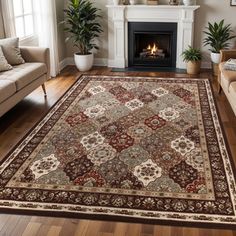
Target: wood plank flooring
(17, 122)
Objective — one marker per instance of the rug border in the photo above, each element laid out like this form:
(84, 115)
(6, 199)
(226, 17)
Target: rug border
(117, 219)
(125, 219)
(233, 164)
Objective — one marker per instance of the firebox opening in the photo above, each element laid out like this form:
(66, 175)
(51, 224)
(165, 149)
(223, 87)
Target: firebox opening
(153, 47)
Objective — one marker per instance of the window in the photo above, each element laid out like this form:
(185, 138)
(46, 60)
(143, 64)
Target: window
(24, 20)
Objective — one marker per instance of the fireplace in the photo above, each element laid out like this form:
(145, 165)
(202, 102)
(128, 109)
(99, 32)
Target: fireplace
(120, 16)
(152, 44)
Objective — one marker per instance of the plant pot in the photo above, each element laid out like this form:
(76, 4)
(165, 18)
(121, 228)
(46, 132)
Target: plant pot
(174, 2)
(116, 2)
(188, 2)
(193, 67)
(83, 62)
(215, 58)
(215, 69)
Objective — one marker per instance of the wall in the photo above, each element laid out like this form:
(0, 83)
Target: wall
(210, 10)
(61, 36)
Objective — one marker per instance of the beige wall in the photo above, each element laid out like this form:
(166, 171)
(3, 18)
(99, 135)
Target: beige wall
(210, 10)
(61, 36)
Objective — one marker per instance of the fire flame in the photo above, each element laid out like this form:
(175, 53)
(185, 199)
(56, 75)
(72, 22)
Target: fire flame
(153, 48)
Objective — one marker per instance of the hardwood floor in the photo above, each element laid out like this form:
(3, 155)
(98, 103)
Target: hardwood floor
(17, 122)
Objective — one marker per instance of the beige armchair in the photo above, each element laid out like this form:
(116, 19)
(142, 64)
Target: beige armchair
(229, 75)
(227, 78)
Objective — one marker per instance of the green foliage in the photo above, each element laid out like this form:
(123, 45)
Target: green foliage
(81, 22)
(218, 36)
(192, 54)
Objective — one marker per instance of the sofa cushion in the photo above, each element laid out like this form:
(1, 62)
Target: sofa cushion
(24, 74)
(3, 62)
(7, 88)
(11, 50)
(228, 74)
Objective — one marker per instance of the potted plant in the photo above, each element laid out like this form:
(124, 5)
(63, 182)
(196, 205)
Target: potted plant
(193, 58)
(189, 2)
(81, 24)
(217, 37)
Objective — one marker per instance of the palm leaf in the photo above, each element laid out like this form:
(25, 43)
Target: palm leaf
(192, 54)
(218, 35)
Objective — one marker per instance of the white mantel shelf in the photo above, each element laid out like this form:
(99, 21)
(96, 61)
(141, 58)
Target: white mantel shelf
(120, 15)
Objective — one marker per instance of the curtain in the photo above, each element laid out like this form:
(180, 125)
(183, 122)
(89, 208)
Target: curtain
(8, 18)
(2, 33)
(46, 27)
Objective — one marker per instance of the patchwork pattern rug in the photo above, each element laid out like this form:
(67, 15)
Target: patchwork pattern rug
(125, 148)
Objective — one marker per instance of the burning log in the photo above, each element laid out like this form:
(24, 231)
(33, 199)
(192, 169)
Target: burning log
(152, 52)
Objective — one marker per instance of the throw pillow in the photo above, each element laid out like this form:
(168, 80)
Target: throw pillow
(3, 62)
(230, 64)
(11, 51)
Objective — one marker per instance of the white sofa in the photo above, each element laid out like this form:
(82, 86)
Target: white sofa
(227, 78)
(17, 83)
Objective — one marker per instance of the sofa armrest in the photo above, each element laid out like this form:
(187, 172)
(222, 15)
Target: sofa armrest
(37, 54)
(227, 54)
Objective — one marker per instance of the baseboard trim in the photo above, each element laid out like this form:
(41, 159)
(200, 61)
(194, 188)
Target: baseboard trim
(63, 64)
(105, 62)
(70, 61)
(100, 62)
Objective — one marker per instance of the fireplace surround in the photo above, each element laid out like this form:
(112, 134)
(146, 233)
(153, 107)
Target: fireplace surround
(120, 16)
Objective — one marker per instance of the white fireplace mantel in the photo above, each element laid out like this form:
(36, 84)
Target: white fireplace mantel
(119, 16)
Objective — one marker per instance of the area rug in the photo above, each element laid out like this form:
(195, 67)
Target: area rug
(125, 148)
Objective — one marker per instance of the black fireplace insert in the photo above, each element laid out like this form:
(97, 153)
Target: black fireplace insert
(152, 44)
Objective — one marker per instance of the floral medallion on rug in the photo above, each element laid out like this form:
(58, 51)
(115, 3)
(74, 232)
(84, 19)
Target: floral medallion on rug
(124, 148)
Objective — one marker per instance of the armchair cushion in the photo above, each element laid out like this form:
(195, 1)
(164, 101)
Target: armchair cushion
(233, 85)
(228, 74)
(230, 64)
